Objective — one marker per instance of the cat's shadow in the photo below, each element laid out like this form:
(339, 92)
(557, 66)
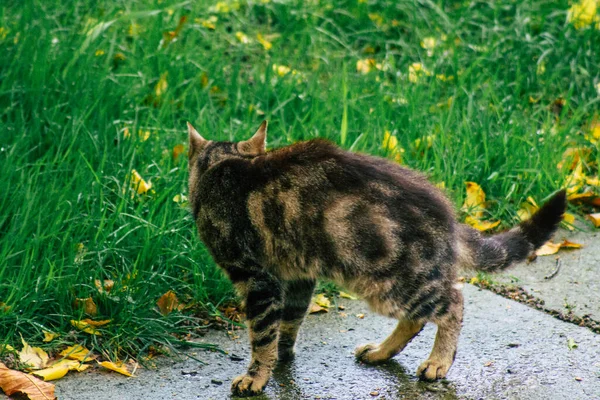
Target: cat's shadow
(403, 384)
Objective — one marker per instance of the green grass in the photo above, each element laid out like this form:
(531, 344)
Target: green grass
(75, 75)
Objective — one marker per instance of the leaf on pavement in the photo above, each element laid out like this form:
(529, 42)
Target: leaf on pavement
(60, 369)
(117, 367)
(12, 382)
(550, 248)
(595, 218)
(345, 295)
(322, 300)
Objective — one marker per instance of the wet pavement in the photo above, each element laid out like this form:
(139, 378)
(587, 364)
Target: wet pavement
(506, 351)
(576, 285)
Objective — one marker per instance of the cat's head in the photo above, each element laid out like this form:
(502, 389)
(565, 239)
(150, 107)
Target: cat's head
(203, 153)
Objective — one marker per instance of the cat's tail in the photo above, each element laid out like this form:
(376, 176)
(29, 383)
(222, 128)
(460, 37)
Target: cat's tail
(496, 252)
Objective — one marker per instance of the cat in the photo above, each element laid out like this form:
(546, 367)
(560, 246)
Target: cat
(277, 221)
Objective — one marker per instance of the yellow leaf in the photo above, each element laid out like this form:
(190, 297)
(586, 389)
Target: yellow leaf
(264, 42)
(4, 308)
(104, 286)
(77, 352)
(474, 280)
(475, 201)
(315, 308)
(347, 296)
(528, 208)
(60, 369)
(168, 302)
(416, 71)
(161, 86)
(281, 70)
(242, 37)
(49, 336)
(570, 220)
(88, 305)
(390, 143)
(322, 300)
(12, 382)
(595, 218)
(583, 14)
(365, 66)
(117, 367)
(85, 327)
(6, 347)
(548, 248)
(180, 198)
(34, 357)
(576, 179)
(360, 316)
(481, 225)
(570, 245)
(178, 150)
(139, 184)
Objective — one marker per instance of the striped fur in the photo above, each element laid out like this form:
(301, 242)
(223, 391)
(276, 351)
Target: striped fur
(277, 221)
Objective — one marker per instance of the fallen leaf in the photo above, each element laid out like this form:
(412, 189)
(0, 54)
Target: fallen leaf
(12, 382)
(578, 379)
(550, 248)
(49, 336)
(6, 347)
(347, 296)
(322, 300)
(117, 367)
(570, 220)
(360, 316)
(474, 203)
(177, 151)
(88, 305)
(571, 343)
(139, 184)
(315, 308)
(33, 357)
(168, 302)
(85, 327)
(481, 225)
(390, 143)
(583, 14)
(60, 369)
(4, 308)
(264, 42)
(595, 218)
(527, 209)
(78, 352)
(104, 286)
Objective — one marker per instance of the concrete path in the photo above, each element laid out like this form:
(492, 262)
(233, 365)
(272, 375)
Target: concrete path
(576, 286)
(507, 351)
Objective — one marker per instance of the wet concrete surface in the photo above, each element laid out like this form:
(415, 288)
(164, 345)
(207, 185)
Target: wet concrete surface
(575, 287)
(506, 351)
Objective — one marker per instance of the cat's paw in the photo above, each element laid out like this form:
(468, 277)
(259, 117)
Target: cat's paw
(433, 369)
(371, 354)
(246, 385)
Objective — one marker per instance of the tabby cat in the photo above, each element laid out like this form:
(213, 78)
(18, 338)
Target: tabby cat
(276, 221)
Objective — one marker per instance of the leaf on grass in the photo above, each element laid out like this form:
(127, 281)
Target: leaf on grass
(177, 151)
(528, 208)
(139, 184)
(4, 308)
(12, 382)
(6, 347)
(345, 295)
(117, 367)
(104, 286)
(78, 352)
(49, 336)
(88, 306)
(481, 225)
(169, 302)
(34, 357)
(595, 218)
(60, 369)
(474, 203)
(550, 248)
(88, 326)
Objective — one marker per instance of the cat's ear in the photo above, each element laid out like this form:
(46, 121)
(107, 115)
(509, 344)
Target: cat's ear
(197, 142)
(257, 144)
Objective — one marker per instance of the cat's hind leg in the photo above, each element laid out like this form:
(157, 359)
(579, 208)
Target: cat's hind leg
(373, 353)
(297, 295)
(446, 341)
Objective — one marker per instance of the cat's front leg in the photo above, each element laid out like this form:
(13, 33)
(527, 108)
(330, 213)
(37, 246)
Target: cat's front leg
(264, 305)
